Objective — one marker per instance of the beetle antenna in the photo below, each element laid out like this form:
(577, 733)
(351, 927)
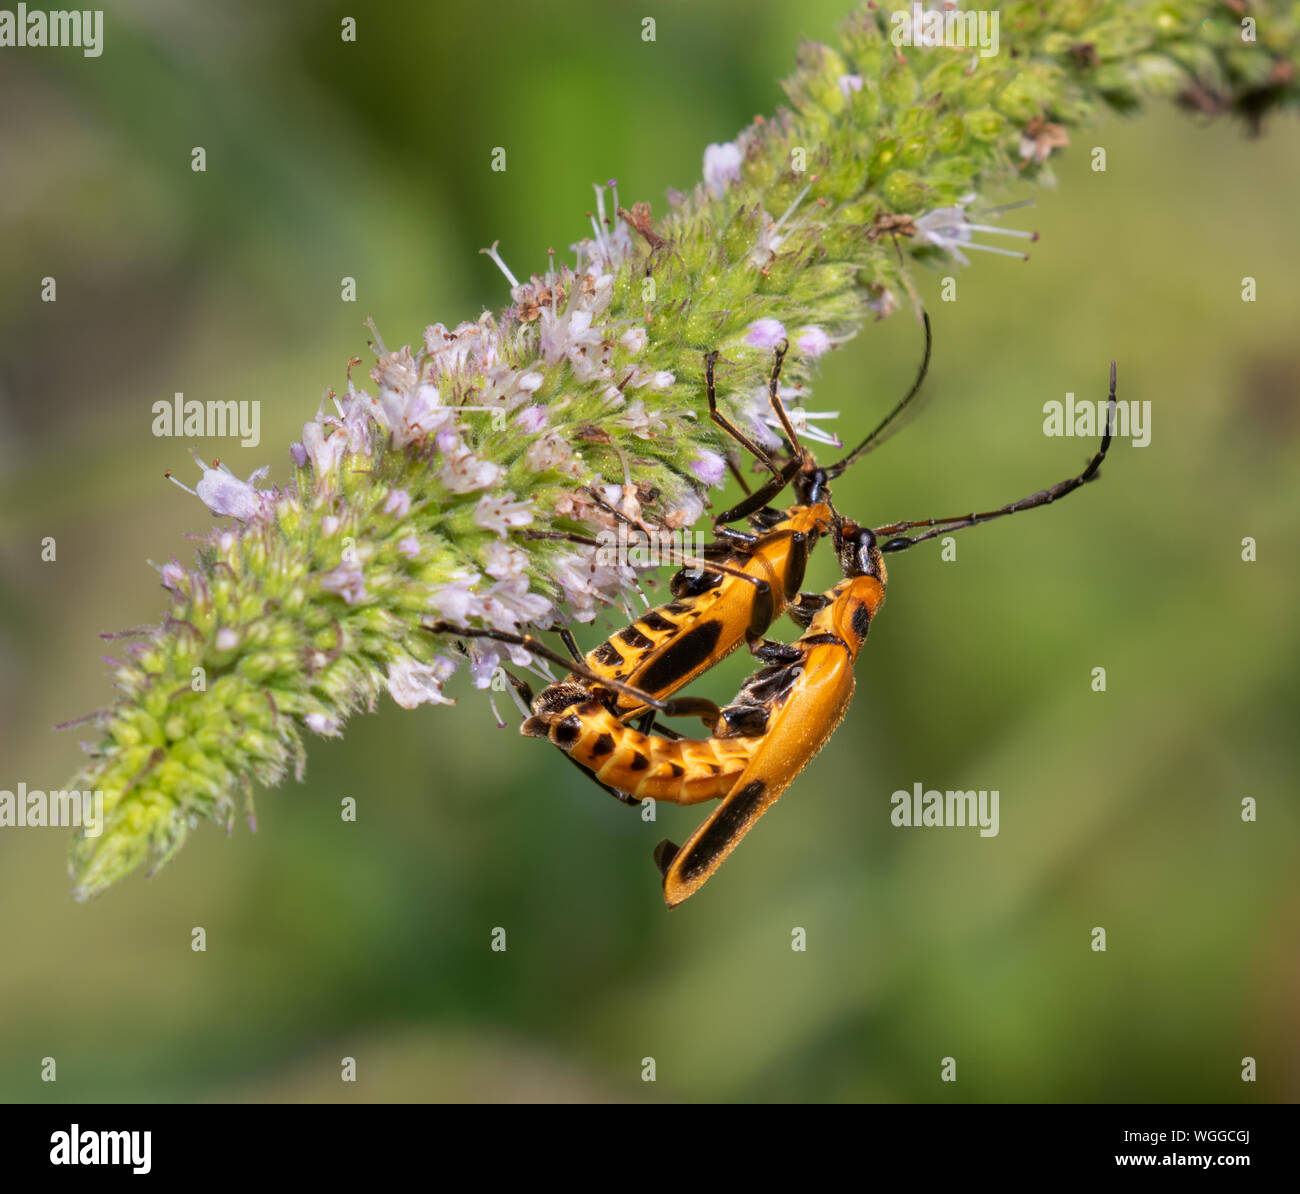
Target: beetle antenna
(888, 424)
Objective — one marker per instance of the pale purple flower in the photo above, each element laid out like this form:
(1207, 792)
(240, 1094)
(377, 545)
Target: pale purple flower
(501, 512)
(410, 414)
(466, 345)
(483, 666)
(457, 601)
(227, 639)
(849, 84)
(347, 581)
(424, 414)
(223, 493)
(462, 470)
(531, 419)
(398, 502)
(329, 525)
(687, 510)
(609, 245)
(510, 603)
(613, 495)
(412, 683)
(765, 333)
(323, 449)
(324, 725)
(659, 381)
(950, 229)
(644, 424)
(722, 166)
(503, 561)
(758, 413)
(569, 332)
(436, 337)
(812, 341)
(710, 467)
(396, 370)
(172, 575)
(486, 660)
(804, 420)
(587, 584)
(591, 362)
(634, 339)
(360, 414)
(762, 418)
(552, 451)
(409, 547)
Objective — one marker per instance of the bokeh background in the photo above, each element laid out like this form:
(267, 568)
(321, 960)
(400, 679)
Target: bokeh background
(371, 940)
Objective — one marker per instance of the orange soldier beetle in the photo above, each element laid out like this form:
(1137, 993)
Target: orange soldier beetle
(783, 715)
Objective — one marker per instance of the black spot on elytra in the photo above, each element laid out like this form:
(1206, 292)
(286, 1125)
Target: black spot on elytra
(607, 654)
(639, 762)
(798, 565)
(566, 731)
(677, 607)
(603, 745)
(634, 638)
(681, 657)
(655, 621)
(732, 818)
(678, 770)
(861, 621)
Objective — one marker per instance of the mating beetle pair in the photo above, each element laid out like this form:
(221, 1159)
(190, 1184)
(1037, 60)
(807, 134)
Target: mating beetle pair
(602, 715)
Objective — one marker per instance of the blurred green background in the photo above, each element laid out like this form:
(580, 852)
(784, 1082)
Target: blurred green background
(372, 940)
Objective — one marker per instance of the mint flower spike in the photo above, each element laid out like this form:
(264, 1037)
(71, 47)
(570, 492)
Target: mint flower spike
(416, 496)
